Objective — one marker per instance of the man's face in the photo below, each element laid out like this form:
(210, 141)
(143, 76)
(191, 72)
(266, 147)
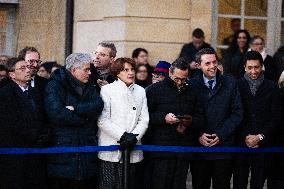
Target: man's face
(253, 69)
(32, 58)
(22, 73)
(179, 77)
(208, 65)
(142, 58)
(197, 42)
(3, 74)
(236, 26)
(102, 59)
(82, 73)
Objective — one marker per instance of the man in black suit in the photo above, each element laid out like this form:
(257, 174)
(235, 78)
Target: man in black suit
(223, 113)
(21, 125)
(262, 112)
(32, 57)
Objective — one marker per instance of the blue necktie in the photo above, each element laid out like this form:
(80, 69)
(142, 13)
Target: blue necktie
(210, 83)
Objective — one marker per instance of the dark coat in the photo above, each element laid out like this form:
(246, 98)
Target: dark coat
(261, 112)
(270, 69)
(72, 128)
(188, 51)
(21, 126)
(95, 76)
(223, 110)
(278, 140)
(234, 64)
(279, 61)
(40, 83)
(163, 98)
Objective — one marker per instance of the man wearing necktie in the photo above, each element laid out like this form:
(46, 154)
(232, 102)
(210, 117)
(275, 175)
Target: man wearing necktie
(21, 120)
(223, 113)
(32, 56)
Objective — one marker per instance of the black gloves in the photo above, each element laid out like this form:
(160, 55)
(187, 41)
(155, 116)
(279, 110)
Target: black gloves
(127, 141)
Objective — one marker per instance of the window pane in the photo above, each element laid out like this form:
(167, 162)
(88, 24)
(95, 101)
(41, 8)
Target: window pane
(256, 8)
(256, 27)
(225, 32)
(3, 20)
(229, 7)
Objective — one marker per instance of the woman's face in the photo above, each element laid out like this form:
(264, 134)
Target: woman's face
(43, 73)
(242, 40)
(142, 58)
(142, 73)
(257, 45)
(127, 75)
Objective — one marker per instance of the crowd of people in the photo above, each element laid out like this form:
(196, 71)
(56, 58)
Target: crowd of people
(98, 99)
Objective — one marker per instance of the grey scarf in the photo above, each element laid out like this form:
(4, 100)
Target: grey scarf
(254, 84)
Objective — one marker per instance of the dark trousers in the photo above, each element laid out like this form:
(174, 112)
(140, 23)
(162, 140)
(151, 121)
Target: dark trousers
(163, 173)
(62, 183)
(243, 164)
(275, 184)
(110, 175)
(220, 171)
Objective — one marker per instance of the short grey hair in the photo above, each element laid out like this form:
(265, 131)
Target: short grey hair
(111, 46)
(76, 60)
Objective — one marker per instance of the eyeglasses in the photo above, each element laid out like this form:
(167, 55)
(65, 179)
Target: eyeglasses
(32, 61)
(256, 43)
(157, 75)
(23, 68)
(100, 54)
(182, 80)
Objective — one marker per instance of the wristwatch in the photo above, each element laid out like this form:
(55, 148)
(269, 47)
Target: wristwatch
(261, 137)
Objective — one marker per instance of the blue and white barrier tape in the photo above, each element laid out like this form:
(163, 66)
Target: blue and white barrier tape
(151, 148)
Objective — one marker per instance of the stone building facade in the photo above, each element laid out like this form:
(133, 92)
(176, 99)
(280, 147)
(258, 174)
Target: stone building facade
(160, 26)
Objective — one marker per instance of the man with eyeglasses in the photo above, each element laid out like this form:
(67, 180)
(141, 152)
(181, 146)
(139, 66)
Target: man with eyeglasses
(174, 113)
(32, 56)
(22, 125)
(73, 107)
(103, 57)
(221, 101)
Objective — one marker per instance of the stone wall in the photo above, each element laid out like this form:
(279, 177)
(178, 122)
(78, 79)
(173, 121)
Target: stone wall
(41, 23)
(160, 26)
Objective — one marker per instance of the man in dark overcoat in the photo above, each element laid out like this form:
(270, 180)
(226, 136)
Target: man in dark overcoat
(73, 107)
(261, 115)
(223, 113)
(21, 125)
(174, 113)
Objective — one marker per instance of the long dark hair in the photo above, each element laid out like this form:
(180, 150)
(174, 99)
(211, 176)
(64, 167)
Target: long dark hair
(234, 45)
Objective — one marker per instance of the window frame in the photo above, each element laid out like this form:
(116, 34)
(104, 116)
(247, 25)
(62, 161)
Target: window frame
(11, 16)
(273, 26)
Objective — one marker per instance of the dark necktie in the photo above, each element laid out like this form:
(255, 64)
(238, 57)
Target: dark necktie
(29, 100)
(210, 83)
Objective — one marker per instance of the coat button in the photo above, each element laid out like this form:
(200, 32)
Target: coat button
(134, 108)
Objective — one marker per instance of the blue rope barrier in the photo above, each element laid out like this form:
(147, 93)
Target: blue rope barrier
(149, 148)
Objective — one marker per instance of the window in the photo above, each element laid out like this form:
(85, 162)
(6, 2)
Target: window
(259, 17)
(7, 19)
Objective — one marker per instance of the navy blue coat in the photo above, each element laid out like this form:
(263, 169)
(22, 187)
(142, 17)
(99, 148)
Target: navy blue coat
(72, 128)
(261, 112)
(21, 125)
(223, 110)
